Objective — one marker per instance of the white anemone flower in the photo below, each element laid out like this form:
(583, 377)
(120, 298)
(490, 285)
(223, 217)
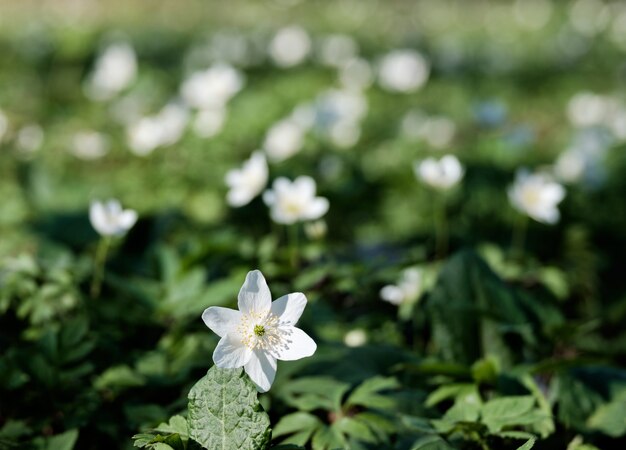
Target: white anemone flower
(115, 69)
(283, 140)
(292, 202)
(212, 88)
(109, 219)
(260, 333)
(537, 196)
(248, 181)
(443, 174)
(403, 71)
(290, 46)
(89, 145)
(408, 288)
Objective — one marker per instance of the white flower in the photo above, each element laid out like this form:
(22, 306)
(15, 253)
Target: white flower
(355, 338)
(336, 49)
(291, 202)
(442, 174)
(259, 333)
(162, 129)
(115, 69)
(290, 46)
(316, 230)
(209, 122)
(212, 88)
(403, 71)
(4, 125)
(537, 196)
(247, 182)
(109, 219)
(89, 145)
(408, 289)
(283, 140)
(30, 139)
(356, 74)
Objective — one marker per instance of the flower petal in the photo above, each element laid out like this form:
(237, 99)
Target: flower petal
(230, 352)
(127, 219)
(288, 308)
(261, 369)
(296, 344)
(316, 208)
(221, 320)
(254, 296)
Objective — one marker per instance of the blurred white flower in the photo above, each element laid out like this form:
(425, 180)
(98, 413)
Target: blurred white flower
(355, 338)
(316, 230)
(163, 129)
(335, 49)
(570, 166)
(436, 131)
(29, 139)
(292, 202)
(283, 140)
(89, 145)
(537, 196)
(408, 288)
(212, 88)
(109, 219)
(209, 122)
(260, 332)
(338, 116)
(4, 125)
(587, 109)
(144, 136)
(290, 46)
(246, 183)
(403, 71)
(115, 69)
(356, 74)
(443, 174)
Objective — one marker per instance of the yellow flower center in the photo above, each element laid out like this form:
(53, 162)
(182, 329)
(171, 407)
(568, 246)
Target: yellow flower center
(259, 330)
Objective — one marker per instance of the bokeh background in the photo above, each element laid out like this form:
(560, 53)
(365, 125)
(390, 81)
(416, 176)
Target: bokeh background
(96, 102)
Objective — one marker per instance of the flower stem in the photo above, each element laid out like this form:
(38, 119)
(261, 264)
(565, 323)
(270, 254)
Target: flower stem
(441, 226)
(292, 231)
(519, 237)
(99, 265)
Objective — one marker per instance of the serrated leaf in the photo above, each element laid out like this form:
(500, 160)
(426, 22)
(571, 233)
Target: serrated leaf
(225, 414)
(448, 391)
(176, 425)
(610, 419)
(528, 445)
(504, 411)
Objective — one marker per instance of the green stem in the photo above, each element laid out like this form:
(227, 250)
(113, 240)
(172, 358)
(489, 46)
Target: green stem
(293, 245)
(99, 265)
(518, 238)
(441, 226)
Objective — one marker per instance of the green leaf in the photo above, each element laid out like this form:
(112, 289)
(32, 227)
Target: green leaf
(367, 393)
(448, 391)
(506, 411)
(328, 438)
(610, 418)
(176, 425)
(528, 445)
(310, 393)
(298, 421)
(63, 441)
(225, 414)
(431, 443)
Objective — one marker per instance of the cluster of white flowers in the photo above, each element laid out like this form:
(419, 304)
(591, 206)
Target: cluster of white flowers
(110, 219)
(284, 139)
(406, 290)
(114, 70)
(338, 114)
(587, 109)
(260, 333)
